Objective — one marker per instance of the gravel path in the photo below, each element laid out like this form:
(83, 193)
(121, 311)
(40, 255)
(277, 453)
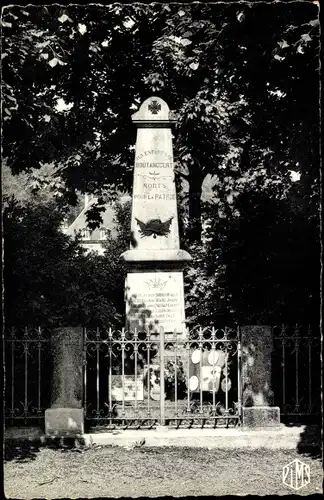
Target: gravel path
(115, 471)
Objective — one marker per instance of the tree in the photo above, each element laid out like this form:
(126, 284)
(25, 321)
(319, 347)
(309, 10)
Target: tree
(242, 69)
(242, 80)
(38, 186)
(87, 70)
(228, 106)
(48, 278)
(261, 265)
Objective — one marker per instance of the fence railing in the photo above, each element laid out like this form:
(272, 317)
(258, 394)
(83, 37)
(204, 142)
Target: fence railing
(140, 379)
(297, 369)
(27, 374)
(137, 379)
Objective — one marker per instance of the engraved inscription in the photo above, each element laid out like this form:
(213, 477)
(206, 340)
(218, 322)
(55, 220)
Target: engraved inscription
(156, 152)
(163, 307)
(156, 196)
(153, 165)
(155, 191)
(154, 186)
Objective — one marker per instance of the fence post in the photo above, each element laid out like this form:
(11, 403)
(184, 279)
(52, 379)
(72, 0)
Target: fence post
(162, 400)
(66, 414)
(239, 373)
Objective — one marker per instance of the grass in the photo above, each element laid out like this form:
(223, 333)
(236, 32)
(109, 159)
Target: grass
(144, 471)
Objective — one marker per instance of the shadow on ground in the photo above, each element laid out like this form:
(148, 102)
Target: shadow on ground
(310, 442)
(27, 449)
(20, 449)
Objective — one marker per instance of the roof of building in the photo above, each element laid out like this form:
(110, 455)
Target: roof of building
(107, 216)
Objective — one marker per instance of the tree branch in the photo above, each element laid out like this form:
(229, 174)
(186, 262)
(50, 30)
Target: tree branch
(184, 176)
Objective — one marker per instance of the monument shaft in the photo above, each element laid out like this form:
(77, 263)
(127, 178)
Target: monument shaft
(154, 285)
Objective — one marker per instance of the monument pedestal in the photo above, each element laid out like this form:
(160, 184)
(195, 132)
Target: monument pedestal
(258, 397)
(66, 415)
(64, 422)
(261, 417)
(155, 300)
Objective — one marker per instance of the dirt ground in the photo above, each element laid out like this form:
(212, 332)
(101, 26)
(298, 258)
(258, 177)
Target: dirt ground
(143, 471)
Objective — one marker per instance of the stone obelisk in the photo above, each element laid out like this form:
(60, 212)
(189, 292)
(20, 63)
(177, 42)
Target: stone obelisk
(154, 284)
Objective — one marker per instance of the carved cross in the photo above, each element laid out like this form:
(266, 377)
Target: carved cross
(154, 107)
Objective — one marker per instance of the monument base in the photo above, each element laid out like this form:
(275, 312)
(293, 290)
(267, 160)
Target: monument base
(64, 422)
(261, 417)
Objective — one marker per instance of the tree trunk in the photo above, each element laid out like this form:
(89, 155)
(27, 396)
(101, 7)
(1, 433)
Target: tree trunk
(195, 190)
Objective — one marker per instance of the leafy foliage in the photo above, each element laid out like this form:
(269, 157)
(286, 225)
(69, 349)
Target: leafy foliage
(242, 80)
(38, 186)
(261, 267)
(48, 277)
(231, 75)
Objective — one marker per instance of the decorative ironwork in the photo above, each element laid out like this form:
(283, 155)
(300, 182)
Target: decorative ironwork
(142, 378)
(295, 350)
(26, 371)
(135, 379)
(154, 227)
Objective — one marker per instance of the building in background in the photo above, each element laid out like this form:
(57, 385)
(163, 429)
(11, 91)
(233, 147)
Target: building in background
(93, 240)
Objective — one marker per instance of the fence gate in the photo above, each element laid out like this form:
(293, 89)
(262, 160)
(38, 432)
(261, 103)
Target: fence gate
(135, 379)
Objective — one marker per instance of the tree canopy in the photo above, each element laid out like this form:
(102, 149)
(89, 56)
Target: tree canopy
(243, 82)
(232, 73)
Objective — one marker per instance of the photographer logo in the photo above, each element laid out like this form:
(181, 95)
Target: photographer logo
(296, 474)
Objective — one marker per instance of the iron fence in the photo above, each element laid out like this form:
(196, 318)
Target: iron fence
(296, 369)
(143, 379)
(27, 374)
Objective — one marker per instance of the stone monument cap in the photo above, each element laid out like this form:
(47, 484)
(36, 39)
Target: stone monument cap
(153, 109)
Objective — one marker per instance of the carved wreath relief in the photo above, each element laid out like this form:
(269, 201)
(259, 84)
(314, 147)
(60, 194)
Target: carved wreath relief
(154, 227)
